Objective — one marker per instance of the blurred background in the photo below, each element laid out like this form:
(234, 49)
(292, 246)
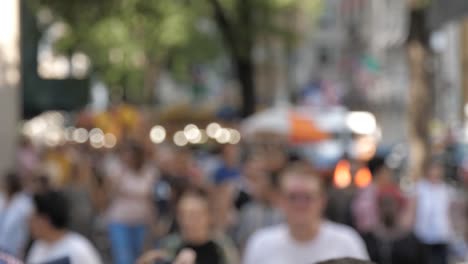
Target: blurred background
(334, 82)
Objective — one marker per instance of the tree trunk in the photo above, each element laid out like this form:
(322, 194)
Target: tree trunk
(240, 46)
(245, 73)
(420, 95)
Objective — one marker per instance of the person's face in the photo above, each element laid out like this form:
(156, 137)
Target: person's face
(277, 160)
(38, 224)
(257, 178)
(435, 173)
(231, 155)
(194, 218)
(384, 176)
(259, 185)
(127, 157)
(302, 200)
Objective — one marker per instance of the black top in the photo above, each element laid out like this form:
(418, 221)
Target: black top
(208, 253)
(403, 250)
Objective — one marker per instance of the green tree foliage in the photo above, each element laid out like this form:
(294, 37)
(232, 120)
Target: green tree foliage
(130, 41)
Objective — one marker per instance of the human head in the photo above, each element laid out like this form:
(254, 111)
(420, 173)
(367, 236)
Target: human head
(302, 195)
(390, 203)
(51, 214)
(257, 178)
(41, 184)
(277, 160)
(435, 170)
(381, 172)
(194, 216)
(134, 156)
(231, 155)
(12, 184)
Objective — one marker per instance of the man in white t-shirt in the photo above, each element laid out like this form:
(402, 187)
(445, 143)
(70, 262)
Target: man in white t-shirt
(55, 244)
(306, 238)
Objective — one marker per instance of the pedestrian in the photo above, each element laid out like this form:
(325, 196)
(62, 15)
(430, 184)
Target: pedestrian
(390, 242)
(196, 235)
(262, 211)
(79, 196)
(226, 187)
(306, 237)
(131, 210)
(54, 242)
(15, 210)
(364, 207)
(433, 199)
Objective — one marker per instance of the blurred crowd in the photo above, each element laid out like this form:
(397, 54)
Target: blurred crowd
(144, 203)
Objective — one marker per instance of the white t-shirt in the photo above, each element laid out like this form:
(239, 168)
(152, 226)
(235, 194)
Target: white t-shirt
(71, 249)
(132, 202)
(274, 245)
(433, 223)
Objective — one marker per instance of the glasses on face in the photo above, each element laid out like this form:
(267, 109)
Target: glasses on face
(302, 198)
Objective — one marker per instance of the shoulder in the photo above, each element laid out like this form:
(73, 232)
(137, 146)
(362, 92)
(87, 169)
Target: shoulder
(265, 242)
(339, 231)
(250, 207)
(81, 247)
(268, 236)
(25, 202)
(34, 254)
(341, 235)
(345, 238)
(228, 249)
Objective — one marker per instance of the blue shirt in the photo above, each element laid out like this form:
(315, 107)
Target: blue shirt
(225, 173)
(14, 219)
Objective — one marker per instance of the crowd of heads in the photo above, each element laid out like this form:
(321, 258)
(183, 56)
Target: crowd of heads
(198, 193)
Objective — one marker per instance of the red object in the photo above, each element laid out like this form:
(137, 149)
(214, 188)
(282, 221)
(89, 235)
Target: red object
(342, 177)
(303, 129)
(363, 177)
(392, 191)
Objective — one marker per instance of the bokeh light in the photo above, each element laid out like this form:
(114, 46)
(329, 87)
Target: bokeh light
(180, 139)
(80, 135)
(192, 133)
(223, 136)
(158, 134)
(212, 129)
(342, 176)
(363, 123)
(110, 141)
(363, 177)
(235, 137)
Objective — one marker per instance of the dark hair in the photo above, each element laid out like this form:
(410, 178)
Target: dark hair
(197, 193)
(42, 183)
(13, 183)
(375, 164)
(138, 154)
(54, 206)
(346, 261)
